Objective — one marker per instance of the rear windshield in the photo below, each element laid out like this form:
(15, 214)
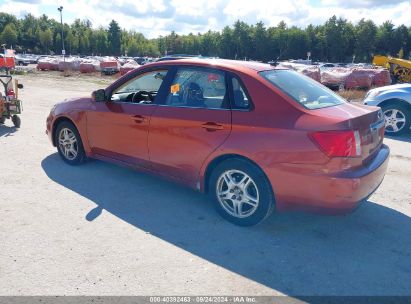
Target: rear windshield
(303, 89)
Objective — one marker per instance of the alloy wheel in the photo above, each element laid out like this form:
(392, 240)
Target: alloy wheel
(237, 193)
(394, 120)
(68, 143)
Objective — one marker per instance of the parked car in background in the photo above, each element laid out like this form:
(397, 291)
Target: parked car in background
(177, 56)
(327, 65)
(21, 60)
(254, 137)
(140, 60)
(395, 102)
(32, 58)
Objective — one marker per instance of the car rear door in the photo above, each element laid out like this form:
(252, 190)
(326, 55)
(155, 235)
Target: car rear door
(118, 128)
(192, 122)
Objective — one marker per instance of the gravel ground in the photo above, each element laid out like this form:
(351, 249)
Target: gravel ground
(100, 229)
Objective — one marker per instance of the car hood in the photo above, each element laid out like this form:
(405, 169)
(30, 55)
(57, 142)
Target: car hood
(402, 87)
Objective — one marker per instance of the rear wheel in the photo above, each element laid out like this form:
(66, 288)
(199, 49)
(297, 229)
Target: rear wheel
(397, 119)
(69, 144)
(241, 192)
(16, 121)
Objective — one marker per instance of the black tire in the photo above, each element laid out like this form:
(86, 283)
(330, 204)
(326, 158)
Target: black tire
(81, 155)
(16, 121)
(2, 120)
(405, 111)
(266, 202)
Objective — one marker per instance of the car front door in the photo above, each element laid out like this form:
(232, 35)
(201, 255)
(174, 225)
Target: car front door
(118, 128)
(191, 123)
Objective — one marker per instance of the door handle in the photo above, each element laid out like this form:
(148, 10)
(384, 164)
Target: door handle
(212, 126)
(139, 118)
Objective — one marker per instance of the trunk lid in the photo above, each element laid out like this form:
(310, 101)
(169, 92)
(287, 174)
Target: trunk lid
(369, 122)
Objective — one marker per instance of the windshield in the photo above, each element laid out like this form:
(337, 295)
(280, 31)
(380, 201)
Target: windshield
(302, 89)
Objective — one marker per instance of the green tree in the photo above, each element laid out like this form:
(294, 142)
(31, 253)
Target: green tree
(297, 43)
(365, 32)
(339, 40)
(241, 40)
(46, 40)
(209, 44)
(401, 53)
(114, 38)
(28, 39)
(314, 41)
(133, 48)
(71, 42)
(278, 41)
(226, 47)
(385, 38)
(259, 42)
(9, 35)
(335, 40)
(401, 37)
(100, 42)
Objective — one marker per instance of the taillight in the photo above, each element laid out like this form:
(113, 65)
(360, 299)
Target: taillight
(10, 93)
(338, 143)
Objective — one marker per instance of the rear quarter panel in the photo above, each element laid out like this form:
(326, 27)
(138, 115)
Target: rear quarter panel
(274, 135)
(271, 134)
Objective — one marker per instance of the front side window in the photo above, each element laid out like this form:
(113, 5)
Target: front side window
(302, 89)
(141, 89)
(198, 88)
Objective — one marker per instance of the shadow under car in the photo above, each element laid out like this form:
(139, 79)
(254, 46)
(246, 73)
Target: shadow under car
(367, 252)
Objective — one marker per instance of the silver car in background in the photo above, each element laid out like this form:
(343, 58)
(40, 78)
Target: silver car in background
(395, 102)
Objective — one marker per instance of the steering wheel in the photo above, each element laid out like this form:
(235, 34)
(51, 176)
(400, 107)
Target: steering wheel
(152, 95)
(141, 96)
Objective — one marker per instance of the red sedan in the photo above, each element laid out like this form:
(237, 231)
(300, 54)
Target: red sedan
(256, 138)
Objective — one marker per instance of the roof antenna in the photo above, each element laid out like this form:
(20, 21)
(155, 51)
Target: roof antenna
(274, 62)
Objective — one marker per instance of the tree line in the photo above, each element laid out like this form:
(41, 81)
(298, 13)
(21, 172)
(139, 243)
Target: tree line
(337, 40)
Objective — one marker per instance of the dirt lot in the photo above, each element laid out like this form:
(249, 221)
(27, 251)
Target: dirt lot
(100, 229)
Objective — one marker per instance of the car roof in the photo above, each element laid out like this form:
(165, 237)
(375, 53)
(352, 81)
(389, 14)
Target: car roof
(235, 65)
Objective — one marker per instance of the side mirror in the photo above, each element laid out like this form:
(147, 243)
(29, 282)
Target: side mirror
(20, 86)
(99, 95)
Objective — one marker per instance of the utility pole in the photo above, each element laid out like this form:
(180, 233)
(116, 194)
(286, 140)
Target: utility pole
(4, 52)
(63, 51)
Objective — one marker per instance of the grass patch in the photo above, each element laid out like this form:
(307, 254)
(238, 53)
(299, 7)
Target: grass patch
(353, 95)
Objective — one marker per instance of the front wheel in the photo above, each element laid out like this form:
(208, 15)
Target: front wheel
(241, 192)
(69, 144)
(397, 119)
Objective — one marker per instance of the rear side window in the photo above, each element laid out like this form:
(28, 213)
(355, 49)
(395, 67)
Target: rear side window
(303, 89)
(241, 100)
(198, 88)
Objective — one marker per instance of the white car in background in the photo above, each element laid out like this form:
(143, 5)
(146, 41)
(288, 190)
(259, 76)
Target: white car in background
(395, 102)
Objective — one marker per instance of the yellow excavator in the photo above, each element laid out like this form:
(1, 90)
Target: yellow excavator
(400, 69)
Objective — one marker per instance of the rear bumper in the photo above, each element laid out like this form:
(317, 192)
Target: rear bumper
(331, 193)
